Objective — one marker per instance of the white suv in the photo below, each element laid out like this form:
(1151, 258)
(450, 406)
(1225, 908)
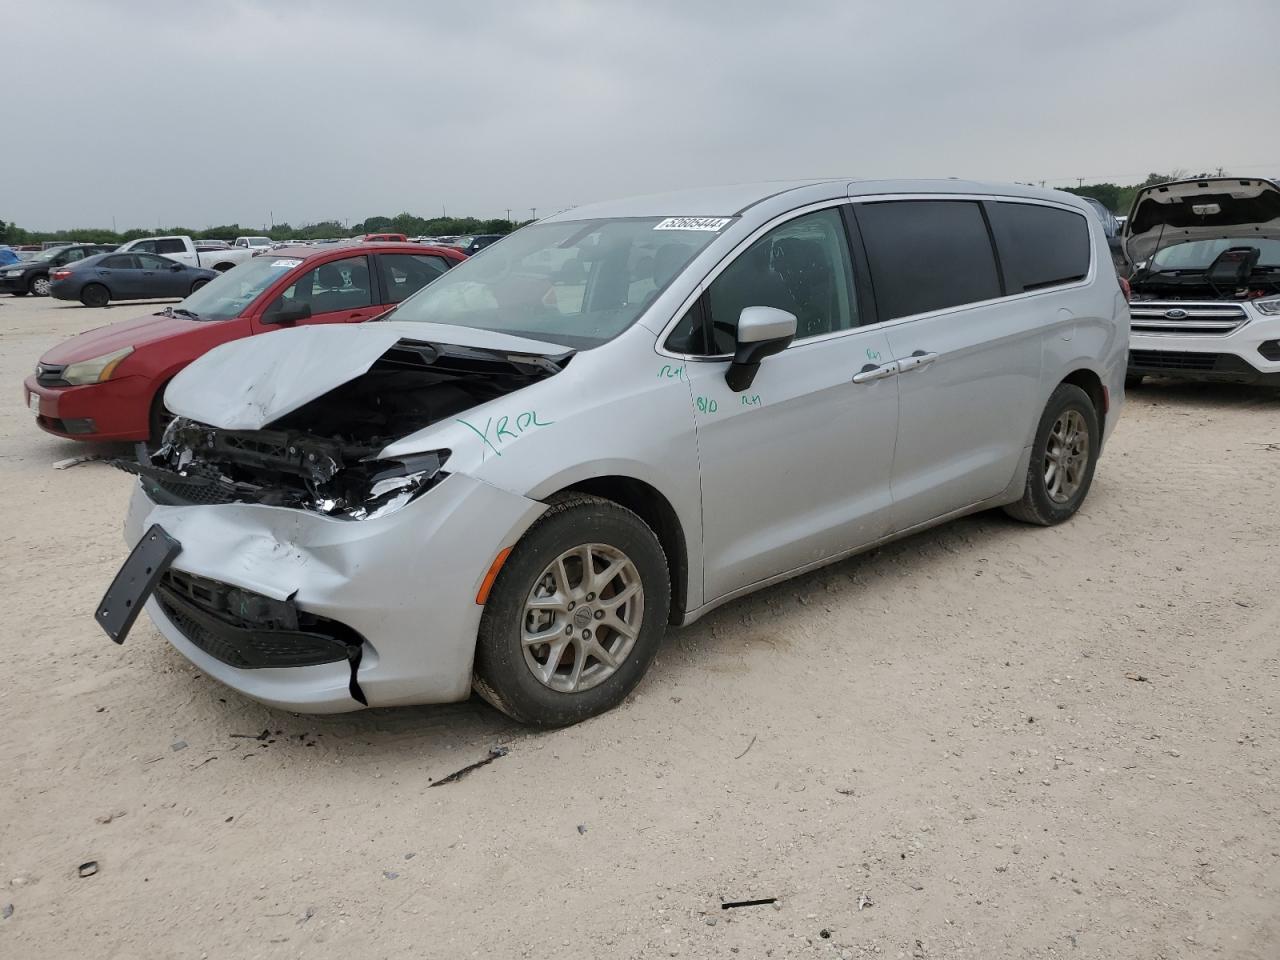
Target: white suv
(1205, 299)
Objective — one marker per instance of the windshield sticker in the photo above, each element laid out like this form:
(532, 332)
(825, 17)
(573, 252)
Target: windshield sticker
(714, 224)
(287, 264)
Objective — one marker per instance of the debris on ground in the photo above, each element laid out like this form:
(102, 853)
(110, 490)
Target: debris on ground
(390, 874)
(251, 736)
(6, 911)
(88, 868)
(845, 791)
(744, 752)
(457, 775)
(582, 828)
(1136, 678)
(864, 901)
(311, 912)
(108, 817)
(72, 461)
(748, 903)
(179, 745)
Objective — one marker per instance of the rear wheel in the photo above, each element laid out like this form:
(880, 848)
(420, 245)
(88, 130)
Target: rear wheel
(576, 615)
(1063, 457)
(197, 285)
(39, 285)
(95, 295)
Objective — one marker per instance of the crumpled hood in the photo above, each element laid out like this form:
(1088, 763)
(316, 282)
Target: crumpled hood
(246, 384)
(1205, 209)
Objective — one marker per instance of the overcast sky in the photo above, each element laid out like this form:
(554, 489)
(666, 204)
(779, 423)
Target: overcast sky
(240, 110)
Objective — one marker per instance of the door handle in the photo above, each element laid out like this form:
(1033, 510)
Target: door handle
(873, 372)
(916, 361)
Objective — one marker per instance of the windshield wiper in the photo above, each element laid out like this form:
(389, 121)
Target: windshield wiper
(191, 314)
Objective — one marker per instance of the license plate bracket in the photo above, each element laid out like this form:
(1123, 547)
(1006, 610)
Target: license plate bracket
(135, 581)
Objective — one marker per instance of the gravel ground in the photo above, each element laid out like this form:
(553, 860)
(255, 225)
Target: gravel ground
(986, 741)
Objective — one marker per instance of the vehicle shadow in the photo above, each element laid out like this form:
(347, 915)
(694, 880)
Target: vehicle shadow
(1212, 396)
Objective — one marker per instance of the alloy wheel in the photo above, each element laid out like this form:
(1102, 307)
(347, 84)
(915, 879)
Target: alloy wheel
(582, 617)
(1066, 456)
(40, 286)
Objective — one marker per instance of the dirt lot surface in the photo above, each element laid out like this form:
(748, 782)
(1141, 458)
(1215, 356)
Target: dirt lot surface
(986, 741)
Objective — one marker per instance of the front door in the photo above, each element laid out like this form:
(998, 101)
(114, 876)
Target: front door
(796, 468)
(339, 291)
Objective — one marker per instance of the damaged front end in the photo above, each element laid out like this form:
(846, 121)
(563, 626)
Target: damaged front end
(324, 456)
(199, 464)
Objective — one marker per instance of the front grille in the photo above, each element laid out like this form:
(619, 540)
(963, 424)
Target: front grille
(187, 492)
(1185, 318)
(50, 375)
(1172, 360)
(249, 630)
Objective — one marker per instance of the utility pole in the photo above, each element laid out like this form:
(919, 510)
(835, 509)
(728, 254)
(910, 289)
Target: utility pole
(1219, 171)
(1041, 183)
(508, 214)
(533, 213)
(1079, 182)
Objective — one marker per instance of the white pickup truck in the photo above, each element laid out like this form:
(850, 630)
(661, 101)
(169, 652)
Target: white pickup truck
(256, 244)
(183, 249)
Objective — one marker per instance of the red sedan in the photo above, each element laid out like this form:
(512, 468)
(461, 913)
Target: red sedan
(108, 383)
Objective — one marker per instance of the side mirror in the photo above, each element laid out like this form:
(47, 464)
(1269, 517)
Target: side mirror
(286, 314)
(762, 332)
(176, 267)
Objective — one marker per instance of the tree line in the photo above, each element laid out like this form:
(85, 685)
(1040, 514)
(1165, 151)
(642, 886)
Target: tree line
(406, 223)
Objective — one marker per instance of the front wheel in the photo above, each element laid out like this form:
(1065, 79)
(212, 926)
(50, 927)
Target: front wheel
(1063, 457)
(95, 295)
(576, 615)
(39, 286)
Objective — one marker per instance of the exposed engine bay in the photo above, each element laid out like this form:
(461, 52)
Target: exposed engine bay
(1235, 274)
(323, 456)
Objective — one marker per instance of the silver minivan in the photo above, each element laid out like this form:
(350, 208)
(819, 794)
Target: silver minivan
(618, 419)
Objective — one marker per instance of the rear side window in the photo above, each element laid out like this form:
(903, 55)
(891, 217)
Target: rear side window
(146, 246)
(121, 261)
(407, 273)
(171, 245)
(927, 255)
(338, 285)
(1039, 246)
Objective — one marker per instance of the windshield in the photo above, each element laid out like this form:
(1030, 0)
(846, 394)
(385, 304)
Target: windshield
(1198, 254)
(49, 254)
(228, 295)
(259, 241)
(578, 283)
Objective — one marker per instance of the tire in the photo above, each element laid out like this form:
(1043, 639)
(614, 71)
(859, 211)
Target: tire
(39, 285)
(95, 295)
(505, 664)
(1133, 381)
(158, 418)
(1051, 499)
(197, 285)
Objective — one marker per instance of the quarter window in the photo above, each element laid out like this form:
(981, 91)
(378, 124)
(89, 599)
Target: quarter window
(927, 255)
(1039, 246)
(802, 267)
(149, 262)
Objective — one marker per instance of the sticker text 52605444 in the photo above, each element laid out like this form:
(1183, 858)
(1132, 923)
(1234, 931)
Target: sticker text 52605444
(714, 224)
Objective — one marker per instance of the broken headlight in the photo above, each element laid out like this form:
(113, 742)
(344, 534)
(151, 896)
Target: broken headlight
(378, 487)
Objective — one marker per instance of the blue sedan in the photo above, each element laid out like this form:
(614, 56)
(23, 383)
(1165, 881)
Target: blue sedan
(95, 281)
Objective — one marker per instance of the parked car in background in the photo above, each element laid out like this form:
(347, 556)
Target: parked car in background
(383, 238)
(256, 244)
(183, 249)
(1206, 283)
(616, 419)
(8, 255)
(106, 384)
(97, 280)
(474, 244)
(208, 246)
(32, 276)
(1111, 227)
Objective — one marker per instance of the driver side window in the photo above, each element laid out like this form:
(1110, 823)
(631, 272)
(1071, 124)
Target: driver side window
(802, 266)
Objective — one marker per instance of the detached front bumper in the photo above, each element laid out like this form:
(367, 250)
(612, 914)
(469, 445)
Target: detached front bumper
(402, 587)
